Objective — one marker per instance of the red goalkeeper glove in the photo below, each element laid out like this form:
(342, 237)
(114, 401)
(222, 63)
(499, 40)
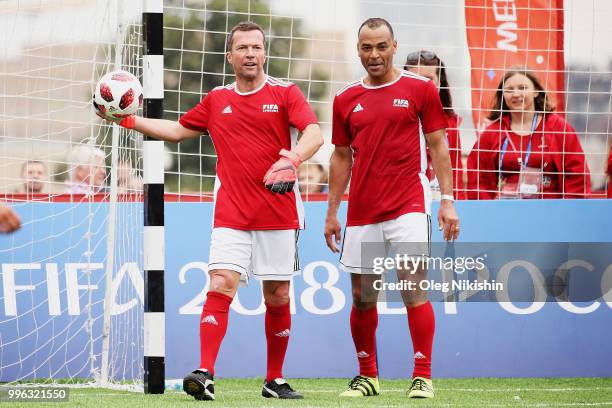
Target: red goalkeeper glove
(128, 122)
(282, 175)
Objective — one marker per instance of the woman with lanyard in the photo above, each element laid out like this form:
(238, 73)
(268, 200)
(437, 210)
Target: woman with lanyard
(527, 151)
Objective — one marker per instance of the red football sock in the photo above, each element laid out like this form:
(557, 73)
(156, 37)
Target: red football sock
(363, 329)
(278, 328)
(422, 323)
(213, 325)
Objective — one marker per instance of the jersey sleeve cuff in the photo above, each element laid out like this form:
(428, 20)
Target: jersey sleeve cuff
(189, 126)
(338, 143)
(306, 125)
(435, 128)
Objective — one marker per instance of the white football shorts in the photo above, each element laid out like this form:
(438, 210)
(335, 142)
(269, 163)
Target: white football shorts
(265, 255)
(408, 234)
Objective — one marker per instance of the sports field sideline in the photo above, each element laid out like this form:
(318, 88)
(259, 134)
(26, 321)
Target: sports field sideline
(523, 392)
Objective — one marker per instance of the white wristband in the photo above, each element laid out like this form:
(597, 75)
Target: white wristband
(448, 197)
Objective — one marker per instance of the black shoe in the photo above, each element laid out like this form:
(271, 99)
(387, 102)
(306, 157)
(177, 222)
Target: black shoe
(200, 385)
(279, 388)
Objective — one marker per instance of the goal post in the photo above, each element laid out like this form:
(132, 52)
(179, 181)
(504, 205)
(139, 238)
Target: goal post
(153, 156)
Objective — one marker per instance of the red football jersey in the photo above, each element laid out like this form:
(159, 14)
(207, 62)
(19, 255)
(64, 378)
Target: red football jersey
(248, 131)
(381, 124)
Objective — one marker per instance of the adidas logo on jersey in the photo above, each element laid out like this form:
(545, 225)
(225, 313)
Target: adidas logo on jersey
(362, 354)
(269, 108)
(228, 109)
(210, 319)
(284, 333)
(358, 108)
(400, 103)
(418, 355)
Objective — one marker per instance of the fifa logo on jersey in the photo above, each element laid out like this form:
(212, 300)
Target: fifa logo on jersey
(400, 103)
(270, 108)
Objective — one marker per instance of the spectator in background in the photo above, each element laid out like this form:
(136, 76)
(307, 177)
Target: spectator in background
(312, 178)
(87, 170)
(428, 64)
(527, 151)
(34, 175)
(9, 220)
(127, 179)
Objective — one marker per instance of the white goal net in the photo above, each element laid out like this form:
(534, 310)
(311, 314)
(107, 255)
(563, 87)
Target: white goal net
(82, 216)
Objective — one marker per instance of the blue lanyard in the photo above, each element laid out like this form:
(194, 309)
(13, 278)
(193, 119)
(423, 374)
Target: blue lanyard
(534, 123)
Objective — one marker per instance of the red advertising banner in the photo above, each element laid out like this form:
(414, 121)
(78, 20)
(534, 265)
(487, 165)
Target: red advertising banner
(508, 33)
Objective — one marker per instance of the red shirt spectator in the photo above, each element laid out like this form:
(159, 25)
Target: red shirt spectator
(555, 149)
(429, 65)
(526, 140)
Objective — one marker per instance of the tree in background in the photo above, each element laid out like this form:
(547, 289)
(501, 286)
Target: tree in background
(194, 58)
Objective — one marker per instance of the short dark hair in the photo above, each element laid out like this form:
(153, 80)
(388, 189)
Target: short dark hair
(243, 26)
(25, 164)
(376, 22)
(429, 58)
(499, 106)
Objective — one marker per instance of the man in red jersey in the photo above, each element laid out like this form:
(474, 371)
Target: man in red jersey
(258, 210)
(378, 147)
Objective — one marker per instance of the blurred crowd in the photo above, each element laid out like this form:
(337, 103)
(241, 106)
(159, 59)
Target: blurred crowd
(87, 173)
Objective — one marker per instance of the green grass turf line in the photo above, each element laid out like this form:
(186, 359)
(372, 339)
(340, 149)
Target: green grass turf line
(488, 392)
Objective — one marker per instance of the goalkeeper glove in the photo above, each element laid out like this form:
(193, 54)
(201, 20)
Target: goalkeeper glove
(127, 122)
(282, 175)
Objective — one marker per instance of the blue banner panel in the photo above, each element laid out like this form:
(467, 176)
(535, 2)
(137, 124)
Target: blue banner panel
(53, 296)
(52, 288)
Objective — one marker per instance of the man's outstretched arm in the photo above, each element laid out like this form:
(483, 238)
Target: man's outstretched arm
(161, 129)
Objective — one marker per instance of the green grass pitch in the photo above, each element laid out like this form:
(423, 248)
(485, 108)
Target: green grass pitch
(524, 392)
